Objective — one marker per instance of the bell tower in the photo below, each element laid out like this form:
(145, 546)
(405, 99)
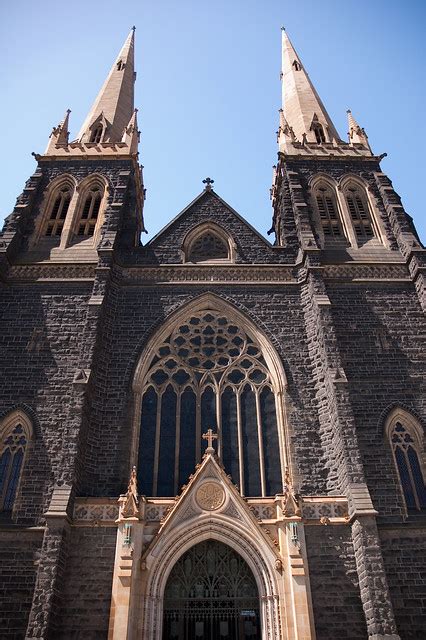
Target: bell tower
(87, 193)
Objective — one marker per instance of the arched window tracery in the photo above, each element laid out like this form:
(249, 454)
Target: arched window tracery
(325, 199)
(359, 212)
(208, 246)
(58, 212)
(13, 445)
(208, 372)
(88, 218)
(406, 447)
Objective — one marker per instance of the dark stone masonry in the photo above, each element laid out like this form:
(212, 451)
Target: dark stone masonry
(338, 301)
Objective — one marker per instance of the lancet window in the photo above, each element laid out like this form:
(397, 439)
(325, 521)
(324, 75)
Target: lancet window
(328, 213)
(318, 130)
(89, 214)
(208, 246)
(359, 212)
(97, 132)
(406, 449)
(12, 452)
(208, 373)
(58, 212)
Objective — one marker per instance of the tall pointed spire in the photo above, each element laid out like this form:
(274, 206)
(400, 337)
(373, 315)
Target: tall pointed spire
(303, 110)
(114, 106)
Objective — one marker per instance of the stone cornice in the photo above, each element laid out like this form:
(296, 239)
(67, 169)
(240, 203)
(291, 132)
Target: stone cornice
(264, 274)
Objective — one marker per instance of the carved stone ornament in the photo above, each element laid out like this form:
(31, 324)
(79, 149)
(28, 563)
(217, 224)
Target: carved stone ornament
(210, 496)
(129, 503)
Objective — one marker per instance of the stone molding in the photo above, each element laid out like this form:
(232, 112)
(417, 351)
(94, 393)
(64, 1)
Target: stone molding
(211, 274)
(105, 511)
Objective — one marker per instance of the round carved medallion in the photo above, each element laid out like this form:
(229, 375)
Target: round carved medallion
(210, 496)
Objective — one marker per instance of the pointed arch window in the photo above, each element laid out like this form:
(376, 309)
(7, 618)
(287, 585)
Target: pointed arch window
(58, 212)
(318, 130)
(406, 443)
(90, 212)
(13, 445)
(208, 372)
(208, 246)
(97, 132)
(328, 212)
(296, 65)
(359, 212)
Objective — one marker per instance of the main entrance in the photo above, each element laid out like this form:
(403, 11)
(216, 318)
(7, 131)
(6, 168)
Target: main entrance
(211, 594)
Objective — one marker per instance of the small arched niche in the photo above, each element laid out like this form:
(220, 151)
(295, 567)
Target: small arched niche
(208, 242)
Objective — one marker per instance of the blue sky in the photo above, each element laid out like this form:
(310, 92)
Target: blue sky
(208, 88)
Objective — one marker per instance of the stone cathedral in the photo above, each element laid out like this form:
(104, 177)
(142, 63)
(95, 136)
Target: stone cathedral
(210, 435)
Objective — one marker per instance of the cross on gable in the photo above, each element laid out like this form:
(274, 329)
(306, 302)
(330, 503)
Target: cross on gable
(208, 182)
(209, 436)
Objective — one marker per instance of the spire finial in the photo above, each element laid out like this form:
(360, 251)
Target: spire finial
(133, 28)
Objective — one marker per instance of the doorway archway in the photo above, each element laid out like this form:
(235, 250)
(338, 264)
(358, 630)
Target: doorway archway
(211, 594)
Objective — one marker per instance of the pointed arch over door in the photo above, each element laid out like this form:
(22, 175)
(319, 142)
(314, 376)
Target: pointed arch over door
(210, 367)
(211, 593)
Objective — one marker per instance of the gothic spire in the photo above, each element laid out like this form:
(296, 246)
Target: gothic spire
(303, 111)
(114, 106)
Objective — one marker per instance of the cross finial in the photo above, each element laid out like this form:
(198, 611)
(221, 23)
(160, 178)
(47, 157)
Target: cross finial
(209, 436)
(208, 182)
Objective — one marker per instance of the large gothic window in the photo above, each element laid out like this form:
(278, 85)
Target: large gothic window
(406, 447)
(208, 372)
(13, 445)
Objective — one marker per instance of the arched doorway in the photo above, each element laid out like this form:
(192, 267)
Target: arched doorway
(211, 594)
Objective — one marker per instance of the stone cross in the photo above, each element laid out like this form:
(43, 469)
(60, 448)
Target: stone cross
(208, 182)
(209, 436)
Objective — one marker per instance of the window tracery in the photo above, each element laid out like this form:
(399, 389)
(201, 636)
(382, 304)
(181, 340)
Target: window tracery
(58, 212)
(325, 198)
(89, 214)
(208, 246)
(406, 449)
(208, 373)
(12, 452)
(359, 212)
(318, 130)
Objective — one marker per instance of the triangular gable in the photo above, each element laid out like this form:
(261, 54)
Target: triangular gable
(209, 207)
(210, 493)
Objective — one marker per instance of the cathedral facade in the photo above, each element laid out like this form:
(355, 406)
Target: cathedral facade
(210, 435)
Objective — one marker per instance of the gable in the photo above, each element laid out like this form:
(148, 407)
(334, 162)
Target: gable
(250, 246)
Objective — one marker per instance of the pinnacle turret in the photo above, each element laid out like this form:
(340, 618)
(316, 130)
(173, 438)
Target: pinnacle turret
(60, 134)
(356, 134)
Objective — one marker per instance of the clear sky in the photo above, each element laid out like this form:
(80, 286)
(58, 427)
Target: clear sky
(208, 88)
